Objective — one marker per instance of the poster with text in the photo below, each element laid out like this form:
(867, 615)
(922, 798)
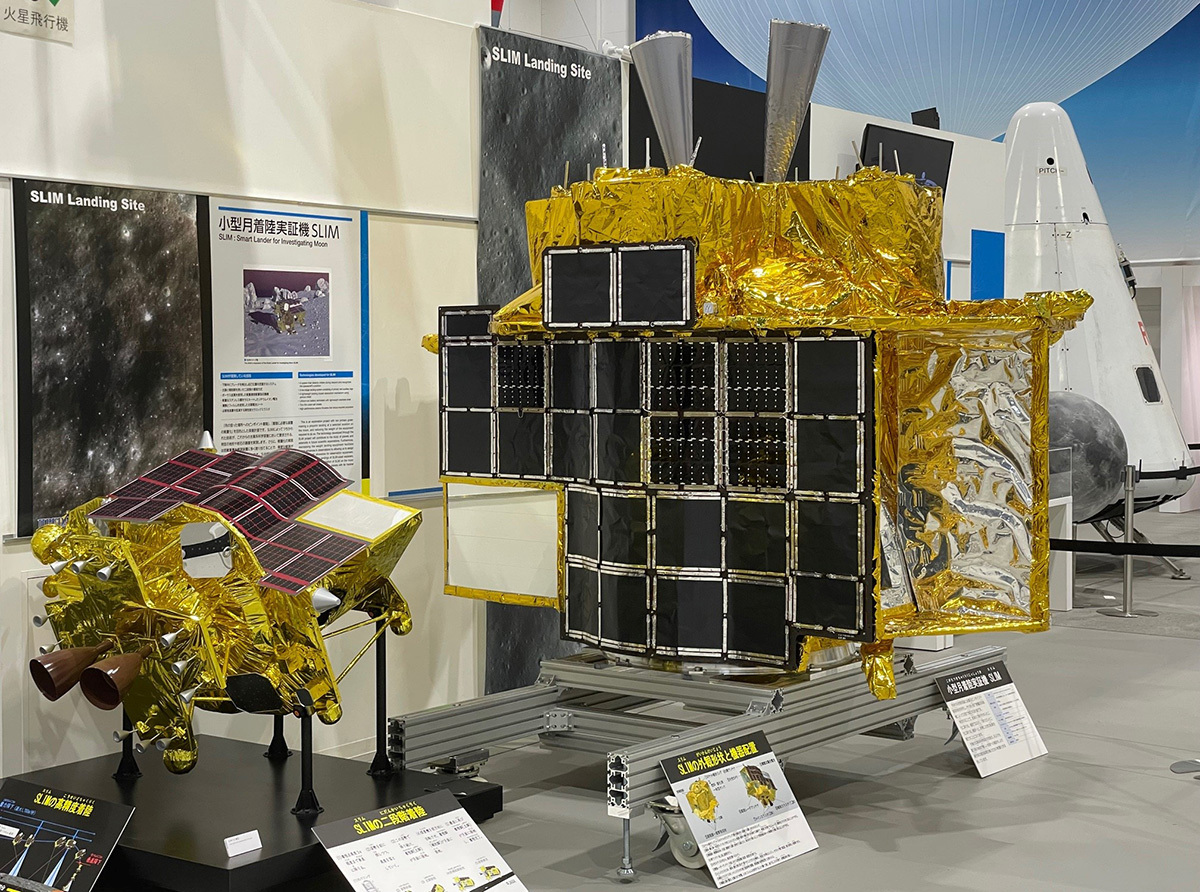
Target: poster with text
(424, 845)
(110, 339)
(55, 841)
(47, 19)
(289, 355)
(739, 807)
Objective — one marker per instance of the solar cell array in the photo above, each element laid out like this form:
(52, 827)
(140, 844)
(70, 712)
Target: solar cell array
(260, 496)
(719, 487)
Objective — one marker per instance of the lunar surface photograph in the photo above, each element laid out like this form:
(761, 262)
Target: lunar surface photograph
(286, 312)
(110, 343)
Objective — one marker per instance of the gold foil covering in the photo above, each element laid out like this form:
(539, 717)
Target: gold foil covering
(227, 626)
(961, 387)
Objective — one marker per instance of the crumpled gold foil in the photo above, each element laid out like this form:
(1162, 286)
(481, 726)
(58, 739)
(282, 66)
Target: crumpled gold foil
(960, 387)
(227, 626)
(878, 666)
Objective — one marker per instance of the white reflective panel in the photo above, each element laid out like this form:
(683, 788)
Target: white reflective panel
(502, 539)
(356, 515)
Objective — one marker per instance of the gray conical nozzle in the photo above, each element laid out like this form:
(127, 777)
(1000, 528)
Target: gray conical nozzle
(664, 66)
(793, 60)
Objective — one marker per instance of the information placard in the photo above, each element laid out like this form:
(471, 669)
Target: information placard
(739, 807)
(52, 840)
(288, 340)
(427, 844)
(992, 718)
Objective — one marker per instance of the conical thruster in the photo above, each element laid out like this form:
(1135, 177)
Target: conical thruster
(664, 66)
(793, 60)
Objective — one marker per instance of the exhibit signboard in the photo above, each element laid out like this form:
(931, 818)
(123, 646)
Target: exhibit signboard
(991, 716)
(51, 840)
(110, 338)
(47, 19)
(739, 807)
(288, 297)
(429, 843)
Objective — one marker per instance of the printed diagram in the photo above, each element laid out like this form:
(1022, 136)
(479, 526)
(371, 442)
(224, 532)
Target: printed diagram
(45, 852)
(490, 872)
(286, 312)
(704, 804)
(464, 883)
(758, 785)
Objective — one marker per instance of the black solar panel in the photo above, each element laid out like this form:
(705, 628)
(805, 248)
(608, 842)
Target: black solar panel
(195, 458)
(233, 462)
(272, 556)
(168, 473)
(112, 510)
(202, 481)
(320, 481)
(337, 548)
(138, 489)
(260, 523)
(258, 480)
(151, 509)
(231, 503)
(297, 536)
(287, 498)
(283, 584)
(289, 461)
(307, 567)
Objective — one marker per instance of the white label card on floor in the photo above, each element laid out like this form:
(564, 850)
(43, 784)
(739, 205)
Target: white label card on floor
(427, 843)
(739, 807)
(991, 717)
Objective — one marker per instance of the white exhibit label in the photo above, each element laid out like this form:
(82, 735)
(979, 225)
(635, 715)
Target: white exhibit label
(992, 718)
(243, 843)
(288, 341)
(428, 843)
(739, 806)
(48, 19)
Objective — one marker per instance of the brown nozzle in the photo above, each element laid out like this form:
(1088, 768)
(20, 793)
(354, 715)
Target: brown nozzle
(56, 673)
(106, 683)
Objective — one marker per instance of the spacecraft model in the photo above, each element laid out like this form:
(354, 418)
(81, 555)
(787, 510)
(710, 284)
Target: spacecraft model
(1058, 239)
(770, 432)
(758, 785)
(157, 620)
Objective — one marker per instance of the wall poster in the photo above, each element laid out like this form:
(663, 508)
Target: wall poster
(144, 318)
(289, 297)
(543, 106)
(110, 339)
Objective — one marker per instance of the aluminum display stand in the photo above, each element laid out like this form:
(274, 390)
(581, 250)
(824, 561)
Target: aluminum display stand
(595, 704)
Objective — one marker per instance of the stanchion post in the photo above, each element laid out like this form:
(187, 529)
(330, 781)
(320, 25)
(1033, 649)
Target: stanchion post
(1126, 609)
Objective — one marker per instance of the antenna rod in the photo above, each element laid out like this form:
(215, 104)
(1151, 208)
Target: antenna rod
(567, 174)
(647, 153)
(695, 151)
(896, 155)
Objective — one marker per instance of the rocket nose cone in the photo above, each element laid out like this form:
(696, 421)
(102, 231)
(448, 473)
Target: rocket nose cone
(1046, 175)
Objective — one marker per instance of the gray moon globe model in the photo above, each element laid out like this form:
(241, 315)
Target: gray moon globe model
(1098, 451)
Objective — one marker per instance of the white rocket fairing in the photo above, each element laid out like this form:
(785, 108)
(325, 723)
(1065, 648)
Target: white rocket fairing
(1057, 239)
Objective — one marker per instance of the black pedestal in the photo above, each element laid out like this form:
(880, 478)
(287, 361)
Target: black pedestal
(176, 838)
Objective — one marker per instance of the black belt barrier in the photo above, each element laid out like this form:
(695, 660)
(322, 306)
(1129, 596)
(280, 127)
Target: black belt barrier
(1119, 549)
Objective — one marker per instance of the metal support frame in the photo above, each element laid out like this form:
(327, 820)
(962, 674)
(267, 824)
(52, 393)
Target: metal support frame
(1126, 610)
(381, 765)
(591, 703)
(128, 769)
(306, 805)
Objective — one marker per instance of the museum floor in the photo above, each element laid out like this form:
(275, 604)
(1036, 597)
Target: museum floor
(1101, 811)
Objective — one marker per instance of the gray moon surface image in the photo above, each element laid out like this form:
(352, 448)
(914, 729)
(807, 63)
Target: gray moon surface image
(534, 123)
(115, 339)
(1098, 451)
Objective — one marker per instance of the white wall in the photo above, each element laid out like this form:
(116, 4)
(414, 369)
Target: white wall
(328, 101)
(1179, 352)
(974, 195)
